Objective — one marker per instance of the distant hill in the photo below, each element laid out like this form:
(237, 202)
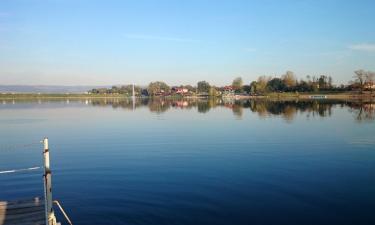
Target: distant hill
(46, 89)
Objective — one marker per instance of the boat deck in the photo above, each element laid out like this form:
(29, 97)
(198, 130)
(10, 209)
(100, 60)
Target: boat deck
(23, 212)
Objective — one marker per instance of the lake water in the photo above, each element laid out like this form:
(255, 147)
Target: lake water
(195, 162)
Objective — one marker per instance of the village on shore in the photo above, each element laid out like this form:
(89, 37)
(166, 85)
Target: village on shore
(282, 87)
(285, 85)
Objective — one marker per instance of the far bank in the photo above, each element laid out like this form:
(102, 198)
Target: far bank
(281, 96)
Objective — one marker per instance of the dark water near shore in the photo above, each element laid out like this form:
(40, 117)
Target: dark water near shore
(195, 162)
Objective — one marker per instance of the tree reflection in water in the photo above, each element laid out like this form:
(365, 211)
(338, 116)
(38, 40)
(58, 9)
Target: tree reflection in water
(288, 110)
(363, 111)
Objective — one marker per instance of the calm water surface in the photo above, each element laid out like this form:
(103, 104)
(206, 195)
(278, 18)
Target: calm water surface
(195, 162)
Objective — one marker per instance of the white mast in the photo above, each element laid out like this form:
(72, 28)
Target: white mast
(133, 97)
(133, 92)
(50, 215)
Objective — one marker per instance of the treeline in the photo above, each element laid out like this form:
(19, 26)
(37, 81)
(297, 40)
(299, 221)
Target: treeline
(124, 89)
(288, 82)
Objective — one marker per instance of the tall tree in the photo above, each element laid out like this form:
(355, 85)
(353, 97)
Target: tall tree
(158, 87)
(360, 78)
(128, 89)
(261, 84)
(203, 87)
(246, 88)
(276, 84)
(303, 86)
(213, 92)
(190, 88)
(253, 87)
(330, 82)
(323, 82)
(289, 79)
(237, 84)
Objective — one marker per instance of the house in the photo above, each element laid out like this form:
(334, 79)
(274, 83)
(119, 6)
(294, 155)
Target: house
(228, 90)
(370, 86)
(180, 90)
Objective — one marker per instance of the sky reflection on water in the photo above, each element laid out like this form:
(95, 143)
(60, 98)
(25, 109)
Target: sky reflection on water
(196, 162)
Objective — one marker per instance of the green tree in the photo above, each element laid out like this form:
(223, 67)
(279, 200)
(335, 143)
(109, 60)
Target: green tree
(190, 88)
(323, 82)
(94, 91)
(261, 84)
(330, 82)
(213, 92)
(246, 88)
(158, 87)
(303, 86)
(102, 90)
(128, 90)
(289, 79)
(276, 84)
(203, 87)
(114, 89)
(237, 84)
(253, 87)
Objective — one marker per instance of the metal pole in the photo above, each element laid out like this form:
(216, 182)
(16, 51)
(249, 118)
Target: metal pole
(133, 98)
(50, 216)
(63, 212)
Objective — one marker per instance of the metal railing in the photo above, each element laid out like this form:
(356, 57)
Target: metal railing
(47, 180)
(63, 211)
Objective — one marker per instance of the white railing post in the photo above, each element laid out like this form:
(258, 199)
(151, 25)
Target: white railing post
(50, 215)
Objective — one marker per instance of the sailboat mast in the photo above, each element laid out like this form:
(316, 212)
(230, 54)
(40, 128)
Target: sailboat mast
(133, 98)
(133, 92)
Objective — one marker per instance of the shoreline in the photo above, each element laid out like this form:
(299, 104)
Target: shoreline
(341, 96)
(273, 96)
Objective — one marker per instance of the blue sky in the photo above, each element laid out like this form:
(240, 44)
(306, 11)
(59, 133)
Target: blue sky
(85, 42)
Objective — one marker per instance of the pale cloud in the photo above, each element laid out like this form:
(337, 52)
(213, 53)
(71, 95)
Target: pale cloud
(158, 38)
(366, 47)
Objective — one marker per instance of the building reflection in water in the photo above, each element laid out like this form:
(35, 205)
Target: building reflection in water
(288, 110)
